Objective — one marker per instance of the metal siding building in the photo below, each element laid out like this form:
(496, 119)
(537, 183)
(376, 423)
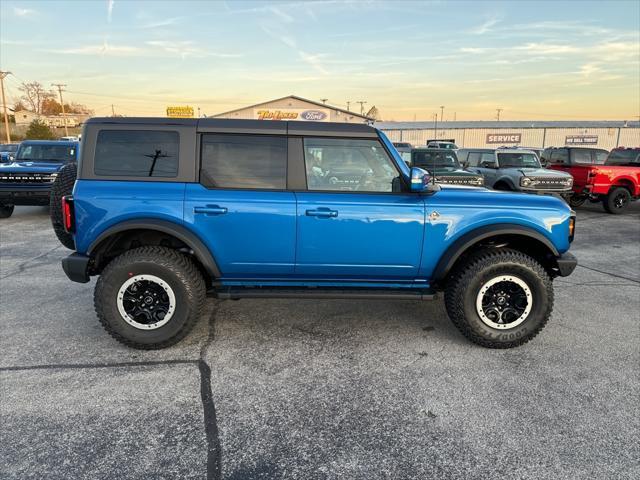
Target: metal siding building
(605, 134)
(293, 108)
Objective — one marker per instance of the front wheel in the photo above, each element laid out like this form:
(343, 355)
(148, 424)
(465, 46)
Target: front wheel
(6, 211)
(149, 297)
(617, 200)
(499, 298)
(576, 200)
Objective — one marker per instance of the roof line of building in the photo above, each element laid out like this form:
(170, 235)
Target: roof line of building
(323, 105)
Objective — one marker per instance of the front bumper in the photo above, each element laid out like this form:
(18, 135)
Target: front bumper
(36, 195)
(567, 263)
(76, 266)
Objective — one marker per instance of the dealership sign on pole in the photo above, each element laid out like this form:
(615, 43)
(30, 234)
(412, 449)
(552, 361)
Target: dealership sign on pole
(180, 112)
(581, 140)
(303, 114)
(502, 138)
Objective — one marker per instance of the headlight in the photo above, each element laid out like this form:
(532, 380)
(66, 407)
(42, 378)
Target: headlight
(525, 182)
(478, 181)
(569, 182)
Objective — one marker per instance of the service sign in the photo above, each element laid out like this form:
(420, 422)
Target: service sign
(180, 112)
(301, 114)
(502, 138)
(581, 140)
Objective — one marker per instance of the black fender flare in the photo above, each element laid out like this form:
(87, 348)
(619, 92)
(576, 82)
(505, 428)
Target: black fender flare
(462, 244)
(200, 250)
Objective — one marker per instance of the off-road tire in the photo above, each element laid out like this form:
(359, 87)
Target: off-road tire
(473, 272)
(503, 187)
(576, 200)
(6, 211)
(174, 268)
(610, 201)
(62, 185)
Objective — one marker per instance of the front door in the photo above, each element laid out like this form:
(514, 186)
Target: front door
(354, 220)
(241, 208)
(481, 162)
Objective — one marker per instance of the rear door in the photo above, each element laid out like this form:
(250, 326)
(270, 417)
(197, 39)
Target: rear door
(241, 207)
(355, 222)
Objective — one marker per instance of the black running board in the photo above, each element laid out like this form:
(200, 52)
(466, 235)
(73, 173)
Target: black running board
(236, 293)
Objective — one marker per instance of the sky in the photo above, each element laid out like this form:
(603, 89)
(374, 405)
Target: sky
(544, 60)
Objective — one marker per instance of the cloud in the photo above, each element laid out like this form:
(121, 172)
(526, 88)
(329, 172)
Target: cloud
(187, 48)
(104, 49)
(110, 4)
(487, 25)
(547, 48)
(23, 12)
(161, 23)
(285, 17)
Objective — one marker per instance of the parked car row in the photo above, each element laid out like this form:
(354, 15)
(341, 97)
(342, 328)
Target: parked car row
(578, 174)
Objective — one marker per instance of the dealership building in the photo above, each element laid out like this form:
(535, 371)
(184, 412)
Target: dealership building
(295, 108)
(601, 134)
(475, 134)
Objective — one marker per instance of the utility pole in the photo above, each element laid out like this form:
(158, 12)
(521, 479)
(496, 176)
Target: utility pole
(324, 100)
(454, 116)
(441, 113)
(348, 105)
(361, 102)
(113, 110)
(64, 118)
(4, 105)
(198, 112)
(498, 110)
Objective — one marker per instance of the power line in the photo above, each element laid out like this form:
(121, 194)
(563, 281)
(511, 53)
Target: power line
(361, 102)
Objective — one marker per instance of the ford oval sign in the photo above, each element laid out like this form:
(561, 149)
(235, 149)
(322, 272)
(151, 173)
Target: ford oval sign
(313, 115)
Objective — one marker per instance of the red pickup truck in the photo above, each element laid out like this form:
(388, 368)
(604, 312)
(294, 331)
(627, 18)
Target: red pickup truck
(615, 183)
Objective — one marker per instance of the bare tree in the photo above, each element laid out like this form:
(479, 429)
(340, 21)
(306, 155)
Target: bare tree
(33, 95)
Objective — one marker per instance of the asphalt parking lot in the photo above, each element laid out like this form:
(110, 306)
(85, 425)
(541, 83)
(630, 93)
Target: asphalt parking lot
(311, 389)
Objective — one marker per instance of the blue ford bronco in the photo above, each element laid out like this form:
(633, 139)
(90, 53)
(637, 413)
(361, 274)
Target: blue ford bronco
(166, 211)
(28, 178)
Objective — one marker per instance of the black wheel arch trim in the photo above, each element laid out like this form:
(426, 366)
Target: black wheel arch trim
(189, 238)
(455, 251)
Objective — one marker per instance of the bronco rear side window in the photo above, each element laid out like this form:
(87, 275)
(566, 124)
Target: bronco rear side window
(137, 153)
(244, 161)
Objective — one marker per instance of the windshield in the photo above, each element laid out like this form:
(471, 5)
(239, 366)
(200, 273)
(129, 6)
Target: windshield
(46, 153)
(435, 160)
(518, 160)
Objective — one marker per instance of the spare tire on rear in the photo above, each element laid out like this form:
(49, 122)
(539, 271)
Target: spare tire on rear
(63, 185)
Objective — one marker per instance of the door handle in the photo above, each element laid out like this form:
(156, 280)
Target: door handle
(322, 213)
(210, 210)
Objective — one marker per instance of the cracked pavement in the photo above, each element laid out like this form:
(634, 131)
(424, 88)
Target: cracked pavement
(320, 389)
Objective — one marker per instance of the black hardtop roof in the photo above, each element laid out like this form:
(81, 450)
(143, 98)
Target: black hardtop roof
(225, 125)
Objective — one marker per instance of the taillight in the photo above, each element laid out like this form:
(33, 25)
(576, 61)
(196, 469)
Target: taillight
(67, 213)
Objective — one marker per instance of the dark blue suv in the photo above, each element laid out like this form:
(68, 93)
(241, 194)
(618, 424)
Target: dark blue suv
(27, 179)
(167, 211)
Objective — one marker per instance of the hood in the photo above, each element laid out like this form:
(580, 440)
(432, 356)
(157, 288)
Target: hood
(539, 172)
(31, 167)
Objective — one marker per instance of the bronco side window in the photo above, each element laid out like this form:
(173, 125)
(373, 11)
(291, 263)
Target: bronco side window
(349, 165)
(137, 153)
(244, 161)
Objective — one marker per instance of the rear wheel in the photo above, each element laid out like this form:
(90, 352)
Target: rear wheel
(62, 185)
(6, 211)
(499, 298)
(149, 297)
(617, 200)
